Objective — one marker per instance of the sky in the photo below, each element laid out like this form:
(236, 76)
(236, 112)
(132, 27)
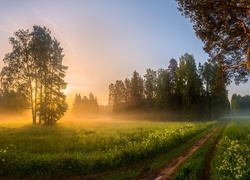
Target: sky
(106, 40)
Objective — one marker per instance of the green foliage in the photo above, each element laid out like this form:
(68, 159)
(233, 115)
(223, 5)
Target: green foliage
(34, 70)
(223, 26)
(13, 101)
(150, 88)
(127, 95)
(240, 105)
(60, 151)
(184, 89)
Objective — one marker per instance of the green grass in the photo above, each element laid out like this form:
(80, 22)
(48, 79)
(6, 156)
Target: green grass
(193, 167)
(87, 147)
(232, 156)
(155, 164)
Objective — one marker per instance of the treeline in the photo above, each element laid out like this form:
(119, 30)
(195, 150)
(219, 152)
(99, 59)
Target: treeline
(181, 89)
(85, 105)
(240, 105)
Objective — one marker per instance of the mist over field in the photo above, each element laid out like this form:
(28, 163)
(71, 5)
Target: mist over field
(124, 89)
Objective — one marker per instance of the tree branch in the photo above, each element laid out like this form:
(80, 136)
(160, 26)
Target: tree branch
(235, 67)
(239, 7)
(243, 25)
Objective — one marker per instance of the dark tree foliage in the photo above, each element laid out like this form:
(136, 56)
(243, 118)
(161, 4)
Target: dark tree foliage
(150, 85)
(182, 89)
(13, 101)
(240, 105)
(188, 85)
(128, 94)
(224, 28)
(162, 89)
(85, 105)
(35, 72)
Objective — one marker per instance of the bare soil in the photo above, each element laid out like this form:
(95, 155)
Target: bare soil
(207, 166)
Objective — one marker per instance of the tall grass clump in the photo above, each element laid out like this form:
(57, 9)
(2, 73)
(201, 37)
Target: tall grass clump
(232, 157)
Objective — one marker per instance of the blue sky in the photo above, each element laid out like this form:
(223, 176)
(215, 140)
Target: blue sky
(106, 40)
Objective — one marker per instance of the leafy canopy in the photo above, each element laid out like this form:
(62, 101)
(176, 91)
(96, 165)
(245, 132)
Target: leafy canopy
(34, 70)
(224, 28)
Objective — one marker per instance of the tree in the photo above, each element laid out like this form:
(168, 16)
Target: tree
(173, 65)
(12, 101)
(162, 90)
(34, 70)
(92, 103)
(127, 95)
(188, 85)
(117, 95)
(240, 105)
(150, 87)
(136, 90)
(77, 103)
(224, 28)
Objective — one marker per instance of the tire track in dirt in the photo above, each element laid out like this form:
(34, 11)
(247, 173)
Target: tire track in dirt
(168, 171)
(207, 165)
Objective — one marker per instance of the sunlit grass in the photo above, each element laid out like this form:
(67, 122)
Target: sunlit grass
(192, 168)
(232, 157)
(78, 147)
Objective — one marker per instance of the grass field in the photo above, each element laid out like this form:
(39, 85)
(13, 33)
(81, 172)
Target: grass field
(196, 167)
(83, 147)
(232, 157)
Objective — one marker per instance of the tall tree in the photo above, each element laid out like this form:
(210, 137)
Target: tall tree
(224, 28)
(137, 95)
(127, 95)
(188, 85)
(117, 95)
(162, 90)
(150, 87)
(34, 69)
(173, 65)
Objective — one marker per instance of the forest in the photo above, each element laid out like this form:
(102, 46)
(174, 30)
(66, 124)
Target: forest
(183, 91)
(240, 105)
(183, 88)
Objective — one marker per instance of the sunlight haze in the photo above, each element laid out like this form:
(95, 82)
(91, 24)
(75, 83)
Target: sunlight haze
(106, 40)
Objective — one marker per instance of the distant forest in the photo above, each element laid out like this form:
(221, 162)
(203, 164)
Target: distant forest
(183, 89)
(85, 105)
(240, 105)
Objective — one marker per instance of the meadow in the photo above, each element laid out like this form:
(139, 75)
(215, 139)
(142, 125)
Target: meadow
(229, 153)
(73, 148)
(232, 156)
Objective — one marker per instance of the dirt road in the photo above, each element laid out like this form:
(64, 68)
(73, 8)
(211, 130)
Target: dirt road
(167, 172)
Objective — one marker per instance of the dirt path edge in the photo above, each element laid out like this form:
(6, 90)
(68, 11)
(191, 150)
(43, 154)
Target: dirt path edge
(168, 171)
(207, 166)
